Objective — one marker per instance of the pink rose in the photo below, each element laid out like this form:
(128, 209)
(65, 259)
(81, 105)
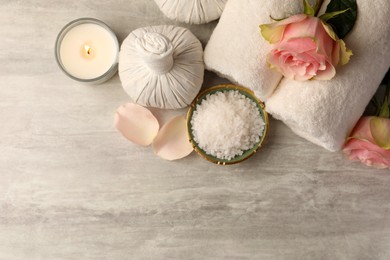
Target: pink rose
(370, 142)
(305, 48)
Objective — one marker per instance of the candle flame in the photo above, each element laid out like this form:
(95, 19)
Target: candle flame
(87, 49)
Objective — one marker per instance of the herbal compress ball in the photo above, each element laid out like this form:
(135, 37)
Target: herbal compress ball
(161, 66)
(192, 11)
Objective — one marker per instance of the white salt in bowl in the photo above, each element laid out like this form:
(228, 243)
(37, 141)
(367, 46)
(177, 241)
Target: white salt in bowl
(246, 153)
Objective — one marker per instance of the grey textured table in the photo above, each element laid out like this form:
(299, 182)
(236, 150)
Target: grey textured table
(71, 187)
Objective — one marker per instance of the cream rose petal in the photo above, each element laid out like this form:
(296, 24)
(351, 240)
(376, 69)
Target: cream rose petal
(336, 53)
(172, 141)
(362, 130)
(345, 53)
(273, 32)
(328, 73)
(330, 31)
(136, 123)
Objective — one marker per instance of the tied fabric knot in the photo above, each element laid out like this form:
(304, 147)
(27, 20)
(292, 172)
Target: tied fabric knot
(156, 51)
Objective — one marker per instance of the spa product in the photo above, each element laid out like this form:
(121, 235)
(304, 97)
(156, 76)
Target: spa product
(240, 55)
(87, 51)
(192, 11)
(323, 112)
(161, 66)
(226, 124)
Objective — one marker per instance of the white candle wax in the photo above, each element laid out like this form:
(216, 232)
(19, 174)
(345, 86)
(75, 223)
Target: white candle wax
(88, 51)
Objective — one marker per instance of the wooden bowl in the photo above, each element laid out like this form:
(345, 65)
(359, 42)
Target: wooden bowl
(221, 88)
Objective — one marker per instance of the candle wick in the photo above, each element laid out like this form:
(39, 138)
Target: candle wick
(87, 49)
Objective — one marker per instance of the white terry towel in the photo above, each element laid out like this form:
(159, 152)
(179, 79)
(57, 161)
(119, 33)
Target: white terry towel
(325, 112)
(237, 51)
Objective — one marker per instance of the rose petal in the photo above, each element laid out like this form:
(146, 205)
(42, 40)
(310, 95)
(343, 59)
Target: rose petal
(312, 28)
(345, 53)
(276, 60)
(136, 123)
(312, 69)
(362, 130)
(302, 28)
(353, 144)
(336, 53)
(329, 31)
(286, 63)
(273, 32)
(367, 152)
(380, 131)
(298, 45)
(326, 74)
(368, 158)
(172, 141)
(324, 42)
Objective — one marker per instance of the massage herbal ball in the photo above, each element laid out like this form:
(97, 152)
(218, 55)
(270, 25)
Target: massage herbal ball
(192, 11)
(161, 66)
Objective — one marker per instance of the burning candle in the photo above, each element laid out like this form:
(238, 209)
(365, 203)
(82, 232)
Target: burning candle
(87, 51)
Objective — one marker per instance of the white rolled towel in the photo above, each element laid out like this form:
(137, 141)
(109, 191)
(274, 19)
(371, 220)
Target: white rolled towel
(324, 112)
(237, 51)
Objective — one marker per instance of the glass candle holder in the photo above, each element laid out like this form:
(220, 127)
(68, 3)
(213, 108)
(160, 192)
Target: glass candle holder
(87, 51)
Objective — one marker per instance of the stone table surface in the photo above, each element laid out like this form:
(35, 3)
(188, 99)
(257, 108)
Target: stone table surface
(71, 187)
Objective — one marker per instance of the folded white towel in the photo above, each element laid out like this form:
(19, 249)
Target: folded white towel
(237, 51)
(325, 112)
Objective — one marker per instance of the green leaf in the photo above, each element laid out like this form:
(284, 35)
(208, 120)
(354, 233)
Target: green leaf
(344, 22)
(387, 91)
(308, 9)
(385, 112)
(375, 102)
(327, 16)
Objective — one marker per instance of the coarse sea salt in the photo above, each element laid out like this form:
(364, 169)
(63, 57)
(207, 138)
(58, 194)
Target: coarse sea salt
(226, 124)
